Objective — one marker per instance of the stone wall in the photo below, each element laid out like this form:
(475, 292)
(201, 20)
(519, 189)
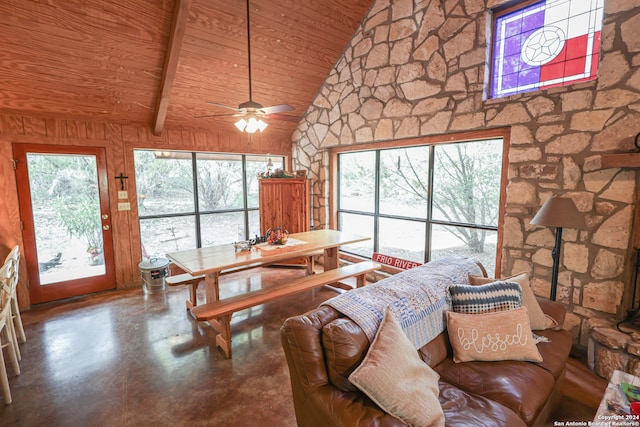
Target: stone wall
(416, 68)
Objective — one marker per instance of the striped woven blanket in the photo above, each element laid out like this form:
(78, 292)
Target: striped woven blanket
(417, 297)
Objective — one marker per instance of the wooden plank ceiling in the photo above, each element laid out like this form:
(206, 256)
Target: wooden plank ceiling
(158, 62)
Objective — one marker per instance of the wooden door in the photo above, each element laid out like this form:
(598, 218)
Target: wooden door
(64, 209)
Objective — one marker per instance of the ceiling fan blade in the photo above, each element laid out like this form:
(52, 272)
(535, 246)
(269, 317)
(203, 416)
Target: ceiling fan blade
(282, 108)
(217, 115)
(223, 106)
(283, 117)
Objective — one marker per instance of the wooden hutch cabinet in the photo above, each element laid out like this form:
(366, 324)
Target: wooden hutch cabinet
(285, 202)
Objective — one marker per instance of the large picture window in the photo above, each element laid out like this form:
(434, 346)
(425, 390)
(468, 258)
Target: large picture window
(545, 44)
(424, 202)
(189, 200)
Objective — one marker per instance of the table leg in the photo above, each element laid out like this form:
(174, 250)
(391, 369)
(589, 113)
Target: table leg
(212, 286)
(330, 258)
(221, 324)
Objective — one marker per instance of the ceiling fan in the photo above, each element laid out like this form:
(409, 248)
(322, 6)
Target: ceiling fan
(252, 112)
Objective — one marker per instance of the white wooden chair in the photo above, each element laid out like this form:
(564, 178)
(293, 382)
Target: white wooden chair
(7, 335)
(14, 256)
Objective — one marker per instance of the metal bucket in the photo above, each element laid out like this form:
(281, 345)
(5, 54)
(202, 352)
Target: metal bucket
(153, 273)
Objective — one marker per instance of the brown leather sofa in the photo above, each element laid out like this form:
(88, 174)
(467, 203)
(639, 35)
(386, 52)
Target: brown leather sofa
(323, 347)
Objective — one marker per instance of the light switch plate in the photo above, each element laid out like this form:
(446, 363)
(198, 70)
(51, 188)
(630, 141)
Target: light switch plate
(122, 195)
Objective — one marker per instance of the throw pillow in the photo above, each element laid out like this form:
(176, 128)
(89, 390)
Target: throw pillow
(489, 298)
(537, 318)
(395, 378)
(503, 335)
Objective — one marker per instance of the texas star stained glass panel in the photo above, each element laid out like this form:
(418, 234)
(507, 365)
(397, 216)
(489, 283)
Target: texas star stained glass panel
(549, 43)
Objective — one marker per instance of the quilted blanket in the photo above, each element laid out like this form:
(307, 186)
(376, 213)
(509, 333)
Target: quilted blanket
(417, 297)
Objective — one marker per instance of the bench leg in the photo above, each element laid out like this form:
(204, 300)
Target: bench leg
(223, 339)
(223, 324)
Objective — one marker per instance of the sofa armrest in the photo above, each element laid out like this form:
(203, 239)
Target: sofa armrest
(553, 309)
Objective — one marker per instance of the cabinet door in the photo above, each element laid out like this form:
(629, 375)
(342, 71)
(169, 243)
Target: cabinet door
(285, 202)
(293, 207)
(270, 209)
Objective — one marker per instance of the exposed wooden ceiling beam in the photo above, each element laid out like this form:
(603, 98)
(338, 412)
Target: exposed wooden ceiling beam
(178, 26)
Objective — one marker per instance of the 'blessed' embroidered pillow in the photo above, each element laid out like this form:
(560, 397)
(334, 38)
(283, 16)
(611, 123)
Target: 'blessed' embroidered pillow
(503, 335)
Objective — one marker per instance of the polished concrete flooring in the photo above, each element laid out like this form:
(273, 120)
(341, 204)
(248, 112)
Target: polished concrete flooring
(129, 358)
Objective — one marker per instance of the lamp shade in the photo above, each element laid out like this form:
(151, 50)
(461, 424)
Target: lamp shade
(559, 212)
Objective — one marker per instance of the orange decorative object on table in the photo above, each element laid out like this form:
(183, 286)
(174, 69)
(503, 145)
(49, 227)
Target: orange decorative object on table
(277, 236)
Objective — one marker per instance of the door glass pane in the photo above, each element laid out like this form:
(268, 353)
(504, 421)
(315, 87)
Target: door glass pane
(361, 225)
(219, 182)
(466, 182)
(404, 179)
(402, 239)
(161, 235)
(480, 245)
(221, 228)
(66, 216)
(357, 181)
(164, 182)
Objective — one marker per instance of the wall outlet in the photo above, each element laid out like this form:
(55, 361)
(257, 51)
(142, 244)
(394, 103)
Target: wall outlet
(124, 206)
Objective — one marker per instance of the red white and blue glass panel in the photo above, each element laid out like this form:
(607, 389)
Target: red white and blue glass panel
(549, 43)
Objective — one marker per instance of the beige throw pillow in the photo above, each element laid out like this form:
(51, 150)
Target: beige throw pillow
(537, 318)
(397, 380)
(503, 335)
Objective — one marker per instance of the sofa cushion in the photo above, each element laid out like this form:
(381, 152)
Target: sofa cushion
(556, 351)
(537, 318)
(492, 297)
(345, 345)
(523, 387)
(436, 350)
(395, 378)
(503, 335)
(465, 409)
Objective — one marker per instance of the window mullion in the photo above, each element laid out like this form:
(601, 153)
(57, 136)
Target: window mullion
(376, 208)
(245, 196)
(427, 237)
(196, 203)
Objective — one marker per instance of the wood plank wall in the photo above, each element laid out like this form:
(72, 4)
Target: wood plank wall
(119, 141)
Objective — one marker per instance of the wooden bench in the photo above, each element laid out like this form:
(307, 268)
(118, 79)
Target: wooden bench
(218, 313)
(187, 279)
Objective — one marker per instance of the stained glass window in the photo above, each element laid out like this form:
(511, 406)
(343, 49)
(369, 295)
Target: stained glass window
(545, 44)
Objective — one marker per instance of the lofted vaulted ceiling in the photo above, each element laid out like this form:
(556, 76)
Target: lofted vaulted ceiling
(158, 62)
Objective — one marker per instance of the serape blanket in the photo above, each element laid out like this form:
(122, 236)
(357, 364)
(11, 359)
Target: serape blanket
(417, 297)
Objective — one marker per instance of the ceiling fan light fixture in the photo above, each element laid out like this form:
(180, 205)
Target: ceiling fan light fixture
(251, 125)
(241, 124)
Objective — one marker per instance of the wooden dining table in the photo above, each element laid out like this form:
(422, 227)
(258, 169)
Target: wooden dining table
(214, 261)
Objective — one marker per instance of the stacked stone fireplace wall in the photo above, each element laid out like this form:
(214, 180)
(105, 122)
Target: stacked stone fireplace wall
(418, 68)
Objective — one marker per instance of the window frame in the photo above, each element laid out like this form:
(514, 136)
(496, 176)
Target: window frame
(434, 140)
(197, 213)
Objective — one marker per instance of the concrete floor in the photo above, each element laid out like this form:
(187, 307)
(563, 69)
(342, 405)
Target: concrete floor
(128, 358)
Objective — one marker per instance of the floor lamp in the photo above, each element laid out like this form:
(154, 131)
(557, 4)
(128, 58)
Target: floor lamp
(559, 212)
